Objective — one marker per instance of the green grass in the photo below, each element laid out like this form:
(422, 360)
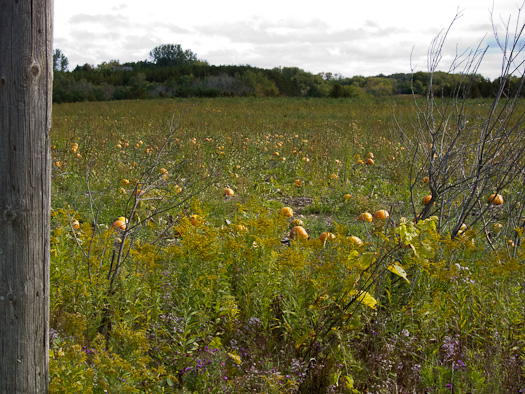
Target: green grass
(229, 304)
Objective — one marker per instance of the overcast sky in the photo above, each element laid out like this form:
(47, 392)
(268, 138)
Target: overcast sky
(347, 37)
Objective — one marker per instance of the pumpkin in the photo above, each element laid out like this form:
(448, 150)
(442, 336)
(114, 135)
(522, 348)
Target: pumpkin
(326, 235)
(195, 219)
(241, 228)
(298, 232)
(427, 199)
(495, 199)
(355, 240)
(297, 222)
(370, 162)
(229, 192)
(119, 225)
(381, 215)
(365, 217)
(286, 212)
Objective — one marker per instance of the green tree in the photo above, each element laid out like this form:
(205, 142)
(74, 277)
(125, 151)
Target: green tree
(171, 55)
(379, 86)
(60, 62)
(112, 65)
(259, 84)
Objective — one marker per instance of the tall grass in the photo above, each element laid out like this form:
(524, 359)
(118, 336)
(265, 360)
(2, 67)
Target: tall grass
(213, 296)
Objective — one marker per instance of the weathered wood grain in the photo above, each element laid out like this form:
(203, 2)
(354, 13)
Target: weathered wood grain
(26, 67)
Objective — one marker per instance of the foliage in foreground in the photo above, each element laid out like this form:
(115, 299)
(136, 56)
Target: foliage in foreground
(209, 299)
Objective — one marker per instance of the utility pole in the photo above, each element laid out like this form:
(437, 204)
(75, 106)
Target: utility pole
(26, 73)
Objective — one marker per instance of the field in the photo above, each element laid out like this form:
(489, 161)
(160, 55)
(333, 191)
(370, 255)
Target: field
(164, 281)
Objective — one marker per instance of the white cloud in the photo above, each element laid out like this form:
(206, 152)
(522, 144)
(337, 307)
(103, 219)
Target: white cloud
(346, 37)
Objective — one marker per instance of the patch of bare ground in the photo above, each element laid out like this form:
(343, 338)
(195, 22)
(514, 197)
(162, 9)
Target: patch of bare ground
(297, 203)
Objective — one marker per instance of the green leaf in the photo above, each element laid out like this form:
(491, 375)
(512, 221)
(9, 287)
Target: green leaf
(215, 343)
(304, 338)
(367, 259)
(407, 232)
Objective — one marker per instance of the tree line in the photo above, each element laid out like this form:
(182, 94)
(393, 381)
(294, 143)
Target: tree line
(171, 71)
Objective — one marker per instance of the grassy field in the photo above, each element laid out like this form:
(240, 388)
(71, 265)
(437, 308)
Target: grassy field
(197, 291)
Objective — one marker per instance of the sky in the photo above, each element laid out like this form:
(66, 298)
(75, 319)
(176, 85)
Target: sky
(346, 37)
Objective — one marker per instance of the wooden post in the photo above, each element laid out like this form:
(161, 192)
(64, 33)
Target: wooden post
(26, 72)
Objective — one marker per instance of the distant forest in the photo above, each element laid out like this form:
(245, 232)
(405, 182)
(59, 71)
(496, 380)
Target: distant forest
(174, 72)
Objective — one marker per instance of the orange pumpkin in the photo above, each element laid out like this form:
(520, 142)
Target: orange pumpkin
(297, 222)
(229, 192)
(365, 217)
(381, 215)
(286, 212)
(298, 232)
(355, 240)
(495, 199)
(326, 235)
(370, 162)
(119, 225)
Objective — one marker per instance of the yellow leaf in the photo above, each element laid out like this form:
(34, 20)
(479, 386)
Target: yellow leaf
(398, 270)
(365, 298)
(349, 382)
(235, 357)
